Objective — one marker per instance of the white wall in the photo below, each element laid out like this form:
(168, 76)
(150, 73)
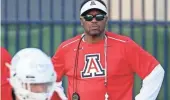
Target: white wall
(149, 9)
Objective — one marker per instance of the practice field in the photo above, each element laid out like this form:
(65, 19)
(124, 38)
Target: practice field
(36, 33)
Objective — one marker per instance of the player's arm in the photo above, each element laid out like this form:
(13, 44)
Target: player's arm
(148, 69)
(58, 62)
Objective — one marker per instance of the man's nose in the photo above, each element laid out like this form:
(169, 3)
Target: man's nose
(94, 20)
(41, 89)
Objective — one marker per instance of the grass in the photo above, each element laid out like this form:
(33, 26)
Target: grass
(49, 46)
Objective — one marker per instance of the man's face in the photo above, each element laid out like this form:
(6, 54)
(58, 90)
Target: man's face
(39, 88)
(94, 27)
(36, 88)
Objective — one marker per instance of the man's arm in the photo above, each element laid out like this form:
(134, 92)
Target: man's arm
(148, 69)
(151, 84)
(58, 62)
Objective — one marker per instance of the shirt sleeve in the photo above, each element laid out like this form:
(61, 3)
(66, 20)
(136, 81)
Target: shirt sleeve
(151, 84)
(5, 58)
(139, 60)
(58, 62)
(5, 86)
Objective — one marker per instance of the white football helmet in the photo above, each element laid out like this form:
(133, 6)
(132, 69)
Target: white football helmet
(31, 67)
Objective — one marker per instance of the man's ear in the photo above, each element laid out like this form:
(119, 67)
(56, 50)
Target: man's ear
(81, 21)
(106, 19)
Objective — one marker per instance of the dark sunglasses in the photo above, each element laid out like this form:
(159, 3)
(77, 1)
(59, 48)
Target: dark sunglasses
(98, 17)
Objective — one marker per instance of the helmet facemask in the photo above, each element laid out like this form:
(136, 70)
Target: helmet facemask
(32, 91)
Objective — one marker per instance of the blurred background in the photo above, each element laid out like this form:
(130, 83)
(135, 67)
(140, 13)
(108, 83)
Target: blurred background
(45, 24)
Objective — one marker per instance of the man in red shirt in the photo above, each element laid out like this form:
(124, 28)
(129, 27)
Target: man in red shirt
(100, 65)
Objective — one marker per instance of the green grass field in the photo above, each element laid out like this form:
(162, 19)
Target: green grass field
(35, 31)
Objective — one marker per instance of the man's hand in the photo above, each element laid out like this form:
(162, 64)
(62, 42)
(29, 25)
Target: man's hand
(60, 91)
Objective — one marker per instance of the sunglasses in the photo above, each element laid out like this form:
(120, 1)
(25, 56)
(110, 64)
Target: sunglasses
(98, 17)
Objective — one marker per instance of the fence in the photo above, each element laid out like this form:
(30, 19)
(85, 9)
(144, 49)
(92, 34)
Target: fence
(46, 23)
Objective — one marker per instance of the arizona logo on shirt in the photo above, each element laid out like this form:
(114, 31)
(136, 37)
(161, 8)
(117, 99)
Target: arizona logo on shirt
(93, 67)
